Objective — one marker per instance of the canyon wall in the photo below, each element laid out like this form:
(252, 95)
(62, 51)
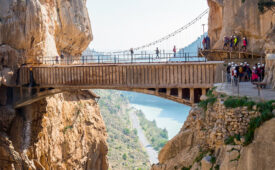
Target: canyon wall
(38, 28)
(200, 145)
(65, 131)
(227, 18)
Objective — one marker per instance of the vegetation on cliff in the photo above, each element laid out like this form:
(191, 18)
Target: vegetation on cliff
(125, 151)
(157, 137)
(265, 108)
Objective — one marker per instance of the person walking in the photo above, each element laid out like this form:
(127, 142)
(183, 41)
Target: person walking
(235, 42)
(57, 59)
(204, 43)
(132, 54)
(254, 75)
(231, 42)
(157, 52)
(226, 41)
(244, 47)
(207, 42)
(228, 72)
(175, 51)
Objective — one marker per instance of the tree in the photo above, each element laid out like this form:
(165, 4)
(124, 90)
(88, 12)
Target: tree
(124, 156)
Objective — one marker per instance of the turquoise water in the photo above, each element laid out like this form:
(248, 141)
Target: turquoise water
(166, 113)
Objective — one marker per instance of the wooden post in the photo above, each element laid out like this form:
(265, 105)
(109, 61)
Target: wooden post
(192, 95)
(168, 91)
(203, 91)
(180, 93)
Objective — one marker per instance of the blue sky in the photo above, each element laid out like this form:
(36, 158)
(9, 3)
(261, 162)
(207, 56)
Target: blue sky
(122, 24)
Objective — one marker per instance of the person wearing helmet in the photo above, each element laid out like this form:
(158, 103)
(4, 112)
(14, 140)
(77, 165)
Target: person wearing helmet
(228, 73)
(244, 47)
(226, 41)
(255, 76)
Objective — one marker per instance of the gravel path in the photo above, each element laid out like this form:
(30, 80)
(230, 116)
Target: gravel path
(153, 155)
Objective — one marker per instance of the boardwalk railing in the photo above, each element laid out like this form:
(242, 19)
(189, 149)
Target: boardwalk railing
(122, 58)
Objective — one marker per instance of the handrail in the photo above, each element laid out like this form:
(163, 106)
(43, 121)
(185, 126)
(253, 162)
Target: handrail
(125, 58)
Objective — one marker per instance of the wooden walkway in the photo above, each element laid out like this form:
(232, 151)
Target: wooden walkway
(199, 74)
(183, 82)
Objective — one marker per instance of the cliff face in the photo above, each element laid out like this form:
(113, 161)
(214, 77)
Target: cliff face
(227, 18)
(200, 143)
(65, 131)
(37, 28)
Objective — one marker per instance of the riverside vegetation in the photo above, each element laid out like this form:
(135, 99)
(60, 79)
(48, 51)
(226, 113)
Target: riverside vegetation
(125, 151)
(156, 136)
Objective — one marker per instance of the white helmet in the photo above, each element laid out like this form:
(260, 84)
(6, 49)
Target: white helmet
(263, 65)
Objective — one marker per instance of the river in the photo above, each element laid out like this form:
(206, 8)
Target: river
(166, 113)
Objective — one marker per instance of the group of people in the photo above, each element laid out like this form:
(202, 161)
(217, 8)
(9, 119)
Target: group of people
(233, 43)
(206, 43)
(243, 72)
(158, 51)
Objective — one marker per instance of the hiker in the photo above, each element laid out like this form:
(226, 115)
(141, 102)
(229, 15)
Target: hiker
(228, 73)
(231, 42)
(57, 59)
(157, 52)
(244, 47)
(226, 41)
(254, 75)
(235, 76)
(207, 42)
(132, 52)
(175, 51)
(241, 72)
(248, 72)
(259, 72)
(236, 41)
(204, 43)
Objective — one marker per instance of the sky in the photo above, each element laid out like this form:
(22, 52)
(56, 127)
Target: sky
(125, 24)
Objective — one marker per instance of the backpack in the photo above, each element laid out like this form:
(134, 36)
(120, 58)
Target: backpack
(240, 69)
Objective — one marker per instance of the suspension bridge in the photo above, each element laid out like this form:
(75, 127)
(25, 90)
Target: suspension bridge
(179, 76)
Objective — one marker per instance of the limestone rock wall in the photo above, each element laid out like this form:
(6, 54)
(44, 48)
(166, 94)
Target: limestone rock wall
(228, 17)
(207, 130)
(65, 131)
(39, 28)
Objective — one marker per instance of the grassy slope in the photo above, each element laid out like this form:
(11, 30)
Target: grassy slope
(125, 152)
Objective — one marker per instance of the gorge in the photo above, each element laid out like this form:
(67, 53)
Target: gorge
(67, 130)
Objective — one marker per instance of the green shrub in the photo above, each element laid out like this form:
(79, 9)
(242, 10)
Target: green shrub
(265, 108)
(211, 100)
(126, 131)
(124, 156)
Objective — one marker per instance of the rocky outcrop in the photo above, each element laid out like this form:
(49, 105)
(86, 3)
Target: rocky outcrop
(201, 141)
(65, 131)
(38, 28)
(229, 17)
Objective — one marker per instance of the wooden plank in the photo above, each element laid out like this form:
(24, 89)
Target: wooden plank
(211, 74)
(153, 76)
(195, 74)
(125, 75)
(149, 76)
(183, 70)
(191, 75)
(203, 74)
(160, 76)
(199, 74)
(187, 74)
(207, 78)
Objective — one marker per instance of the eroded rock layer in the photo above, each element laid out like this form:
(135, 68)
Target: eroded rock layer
(39, 28)
(65, 131)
